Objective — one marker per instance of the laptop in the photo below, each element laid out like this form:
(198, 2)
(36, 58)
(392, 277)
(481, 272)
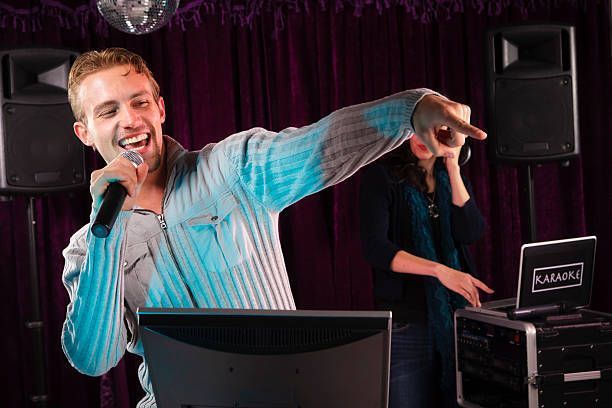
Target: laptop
(554, 277)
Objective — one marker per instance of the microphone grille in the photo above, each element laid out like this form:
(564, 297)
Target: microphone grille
(134, 157)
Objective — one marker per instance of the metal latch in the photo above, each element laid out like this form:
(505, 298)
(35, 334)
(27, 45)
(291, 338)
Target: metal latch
(548, 332)
(582, 376)
(605, 328)
(533, 380)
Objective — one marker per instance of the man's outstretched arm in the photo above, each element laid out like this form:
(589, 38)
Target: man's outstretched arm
(280, 168)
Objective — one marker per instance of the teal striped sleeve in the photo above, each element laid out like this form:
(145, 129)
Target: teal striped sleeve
(280, 168)
(94, 336)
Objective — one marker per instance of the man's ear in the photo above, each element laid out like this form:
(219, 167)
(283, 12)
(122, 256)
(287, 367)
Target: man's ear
(80, 129)
(162, 109)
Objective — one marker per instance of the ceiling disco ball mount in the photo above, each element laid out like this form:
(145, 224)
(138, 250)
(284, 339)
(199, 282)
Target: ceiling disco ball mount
(137, 16)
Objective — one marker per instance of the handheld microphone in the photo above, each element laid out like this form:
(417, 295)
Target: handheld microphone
(525, 313)
(113, 201)
(445, 136)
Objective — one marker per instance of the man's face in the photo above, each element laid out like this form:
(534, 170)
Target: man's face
(121, 114)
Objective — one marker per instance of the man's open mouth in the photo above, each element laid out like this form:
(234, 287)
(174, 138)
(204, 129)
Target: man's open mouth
(135, 142)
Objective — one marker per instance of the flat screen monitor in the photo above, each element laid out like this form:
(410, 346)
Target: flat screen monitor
(267, 359)
(557, 272)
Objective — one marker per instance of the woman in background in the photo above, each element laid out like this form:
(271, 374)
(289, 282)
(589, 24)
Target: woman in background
(417, 217)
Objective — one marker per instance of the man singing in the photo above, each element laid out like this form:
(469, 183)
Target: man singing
(199, 229)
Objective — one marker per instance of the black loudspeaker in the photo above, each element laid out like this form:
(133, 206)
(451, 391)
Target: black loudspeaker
(531, 93)
(38, 149)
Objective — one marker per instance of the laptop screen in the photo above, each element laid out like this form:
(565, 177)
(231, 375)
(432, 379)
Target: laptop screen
(557, 272)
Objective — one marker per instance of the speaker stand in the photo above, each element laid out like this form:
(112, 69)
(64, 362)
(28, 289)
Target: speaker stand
(531, 210)
(38, 391)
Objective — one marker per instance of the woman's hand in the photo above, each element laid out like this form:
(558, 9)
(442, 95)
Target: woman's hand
(451, 160)
(460, 194)
(462, 283)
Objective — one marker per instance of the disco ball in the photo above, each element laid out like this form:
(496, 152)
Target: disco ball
(137, 16)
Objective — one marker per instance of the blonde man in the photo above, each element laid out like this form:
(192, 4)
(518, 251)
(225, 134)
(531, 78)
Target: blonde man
(200, 228)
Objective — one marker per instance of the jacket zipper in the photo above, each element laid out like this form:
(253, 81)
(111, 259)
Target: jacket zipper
(162, 223)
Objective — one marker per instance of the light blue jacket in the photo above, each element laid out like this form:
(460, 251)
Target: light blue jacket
(216, 244)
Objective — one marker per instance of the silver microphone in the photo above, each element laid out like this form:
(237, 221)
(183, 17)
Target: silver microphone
(113, 200)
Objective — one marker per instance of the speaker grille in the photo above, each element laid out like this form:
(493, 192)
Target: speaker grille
(532, 93)
(534, 117)
(40, 148)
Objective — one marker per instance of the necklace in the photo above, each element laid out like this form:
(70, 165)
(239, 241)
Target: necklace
(432, 208)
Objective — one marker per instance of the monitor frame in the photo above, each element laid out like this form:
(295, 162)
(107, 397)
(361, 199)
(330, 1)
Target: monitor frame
(257, 369)
(578, 298)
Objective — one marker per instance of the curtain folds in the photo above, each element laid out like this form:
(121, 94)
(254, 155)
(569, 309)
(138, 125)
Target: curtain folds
(79, 15)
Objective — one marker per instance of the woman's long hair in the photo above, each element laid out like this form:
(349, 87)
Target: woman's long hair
(404, 166)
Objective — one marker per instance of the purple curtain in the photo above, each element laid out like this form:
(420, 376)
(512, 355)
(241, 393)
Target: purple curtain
(220, 78)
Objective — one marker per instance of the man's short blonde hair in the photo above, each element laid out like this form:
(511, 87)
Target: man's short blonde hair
(94, 61)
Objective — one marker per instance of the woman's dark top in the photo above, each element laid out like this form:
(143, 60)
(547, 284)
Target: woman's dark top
(385, 229)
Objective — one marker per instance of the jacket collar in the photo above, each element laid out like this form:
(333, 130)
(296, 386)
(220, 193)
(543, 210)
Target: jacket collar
(173, 151)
